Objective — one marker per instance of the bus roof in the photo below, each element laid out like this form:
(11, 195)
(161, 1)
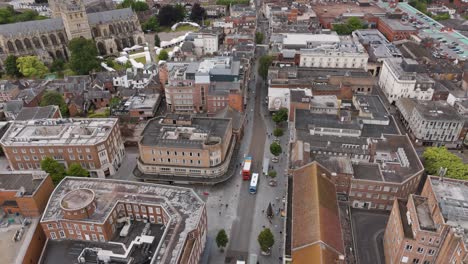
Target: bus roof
(254, 180)
(247, 165)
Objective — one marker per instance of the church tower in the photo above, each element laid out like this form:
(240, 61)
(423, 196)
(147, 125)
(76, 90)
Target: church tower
(74, 18)
(54, 6)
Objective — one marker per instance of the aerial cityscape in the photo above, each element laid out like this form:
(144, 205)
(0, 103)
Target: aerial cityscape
(233, 131)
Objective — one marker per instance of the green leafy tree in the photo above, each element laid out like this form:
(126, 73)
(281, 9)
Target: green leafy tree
(55, 98)
(266, 240)
(163, 55)
(275, 149)
(83, 56)
(232, 2)
(152, 24)
(198, 13)
(265, 62)
(222, 239)
(136, 6)
(280, 116)
(272, 174)
(347, 28)
(441, 17)
(157, 41)
(8, 15)
(278, 132)
(54, 168)
(31, 66)
(259, 37)
(58, 65)
(11, 67)
(437, 157)
(169, 14)
(75, 169)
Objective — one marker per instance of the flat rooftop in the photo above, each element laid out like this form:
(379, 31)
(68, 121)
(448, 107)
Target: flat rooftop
(452, 196)
(59, 132)
(396, 24)
(68, 251)
(430, 110)
(397, 158)
(367, 171)
(14, 252)
(306, 120)
(334, 10)
(197, 132)
(15, 180)
(183, 205)
(425, 220)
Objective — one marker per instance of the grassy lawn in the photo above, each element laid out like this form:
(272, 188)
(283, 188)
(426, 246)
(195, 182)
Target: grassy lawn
(186, 28)
(141, 60)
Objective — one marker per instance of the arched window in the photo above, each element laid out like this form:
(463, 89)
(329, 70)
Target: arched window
(111, 29)
(27, 43)
(10, 46)
(101, 48)
(62, 38)
(36, 42)
(45, 42)
(53, 39)
(19, 45)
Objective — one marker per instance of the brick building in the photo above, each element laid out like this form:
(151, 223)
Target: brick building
(124, 221)
(431, 227)
(23, 198)
(394, 29)
(95, 144)
(182, 145)
(206, 86)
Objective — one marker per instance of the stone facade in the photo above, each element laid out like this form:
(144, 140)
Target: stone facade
(48, 39)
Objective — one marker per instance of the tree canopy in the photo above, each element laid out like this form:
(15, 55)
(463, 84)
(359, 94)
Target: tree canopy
(347, 28)
(266, 240)
(8, 15)
(54, 168)
(265, 62)
(55, 98)
(275, 149)
(58, 65)
(136, 6)
(163, 55)
(11, 67)
(437, 157)
(198, 13)
(31, 66)
(169, 14)
(83, 56)
(152, 24)
(222, 239)
(259, 37)
(280, 116)
(75, 169)
(232, 2)
(278, 132)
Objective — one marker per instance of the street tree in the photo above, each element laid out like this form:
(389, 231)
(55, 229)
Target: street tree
(58, 65)
(265, 62)
(163, 55)
(278, 132)
(55, 98)
(136, 6)
(11, 67)
(31, 66)
(75, 169)
(221, 239)
(272, 173)
(84, 54)
(280, 116)
(198, 13)
(347, 28)
(275, 149)
(259, 37)
(439, 157)
(54, 168)
(266, 240)
(157, 40)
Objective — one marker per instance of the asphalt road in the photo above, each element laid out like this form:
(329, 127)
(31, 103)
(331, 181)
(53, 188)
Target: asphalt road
(242, 226)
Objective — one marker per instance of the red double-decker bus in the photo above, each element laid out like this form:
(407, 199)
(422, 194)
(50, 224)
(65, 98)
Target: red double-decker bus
(246, 170)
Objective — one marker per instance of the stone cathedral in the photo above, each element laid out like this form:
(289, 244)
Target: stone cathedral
(48, 39)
